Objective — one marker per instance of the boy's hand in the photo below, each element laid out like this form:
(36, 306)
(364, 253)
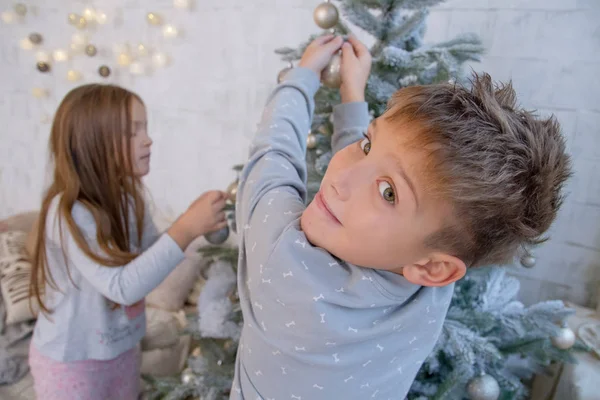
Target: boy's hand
(319, 52)
(356, 65)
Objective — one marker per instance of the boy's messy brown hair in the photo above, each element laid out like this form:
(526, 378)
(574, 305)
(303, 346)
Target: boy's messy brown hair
(501, 167)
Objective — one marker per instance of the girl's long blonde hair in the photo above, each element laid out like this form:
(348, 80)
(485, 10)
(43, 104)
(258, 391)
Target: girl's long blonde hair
(90, 148)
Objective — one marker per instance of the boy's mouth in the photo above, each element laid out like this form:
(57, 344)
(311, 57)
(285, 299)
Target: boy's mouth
(322, 205)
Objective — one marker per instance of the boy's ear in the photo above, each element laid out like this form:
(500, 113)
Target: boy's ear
(438, 269)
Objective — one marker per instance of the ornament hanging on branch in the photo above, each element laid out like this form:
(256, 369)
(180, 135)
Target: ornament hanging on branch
(232, 190)
(565, 338)
(528, 260)
(483, 387)
(187, 376)
(217, 237)
(326, 15)
(331, 75)
(283, 72)
(311, 141)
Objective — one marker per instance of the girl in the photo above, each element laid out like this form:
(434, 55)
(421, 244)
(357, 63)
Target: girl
(97, 253)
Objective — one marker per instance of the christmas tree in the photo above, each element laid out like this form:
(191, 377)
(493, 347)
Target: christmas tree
(491, 344)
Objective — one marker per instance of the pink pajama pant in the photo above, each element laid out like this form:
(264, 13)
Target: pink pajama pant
(116, 379)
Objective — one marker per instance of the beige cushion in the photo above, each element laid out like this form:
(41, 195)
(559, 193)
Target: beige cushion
(172, 293)
(20, 222)
(162, 329)
(164, 349)
(166, 361)
(15, 272)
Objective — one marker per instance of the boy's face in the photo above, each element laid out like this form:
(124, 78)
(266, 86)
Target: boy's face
(372, 209)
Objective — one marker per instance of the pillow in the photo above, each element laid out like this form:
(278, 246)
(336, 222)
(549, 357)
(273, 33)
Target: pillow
(167, 361)
(15, 271)
(162, 329)
(172, 293)
(20, 222)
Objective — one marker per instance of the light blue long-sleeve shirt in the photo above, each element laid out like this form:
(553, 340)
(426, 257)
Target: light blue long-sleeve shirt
(316, 327)
(84, 325)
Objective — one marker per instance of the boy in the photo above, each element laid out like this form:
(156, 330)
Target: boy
(345, 298)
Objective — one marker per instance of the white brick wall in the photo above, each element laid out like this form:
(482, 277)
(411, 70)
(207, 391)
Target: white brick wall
(203, 108)
(551, 51)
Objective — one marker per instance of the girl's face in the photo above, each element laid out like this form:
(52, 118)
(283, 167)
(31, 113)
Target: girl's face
(140, 141)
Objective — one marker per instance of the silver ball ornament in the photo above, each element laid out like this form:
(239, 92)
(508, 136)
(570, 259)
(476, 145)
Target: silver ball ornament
(331, 75)
(564, 340)
(528, 261)
(217, 237)
(311, 141)
(484, 387)
(326, 15)
(187, 376)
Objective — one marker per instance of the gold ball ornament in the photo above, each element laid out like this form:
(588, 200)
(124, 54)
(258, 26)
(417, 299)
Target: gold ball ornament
(565, 339)
(101, 18)
(160, 59)
(89, 14)
(187, 376)
(311, 141)
(79, 40)
(73, 76)
(81, 23)
(43, 66)
(137, 68)
(8, 17)
(331, 75)
(73, 18)
(326, 15)
(170, 32)
(153, 19)
(104, 71)
(232, 190)
(91, 50)
(36, 38)
(124, 59)
(42, 56)
(60, 55)
(39, 93)
(26, 44)
(141, 50)
(20, 9)
(182, 4)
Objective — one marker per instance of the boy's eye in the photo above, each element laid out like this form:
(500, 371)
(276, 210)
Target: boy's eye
(365, 145)
(387, 192)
